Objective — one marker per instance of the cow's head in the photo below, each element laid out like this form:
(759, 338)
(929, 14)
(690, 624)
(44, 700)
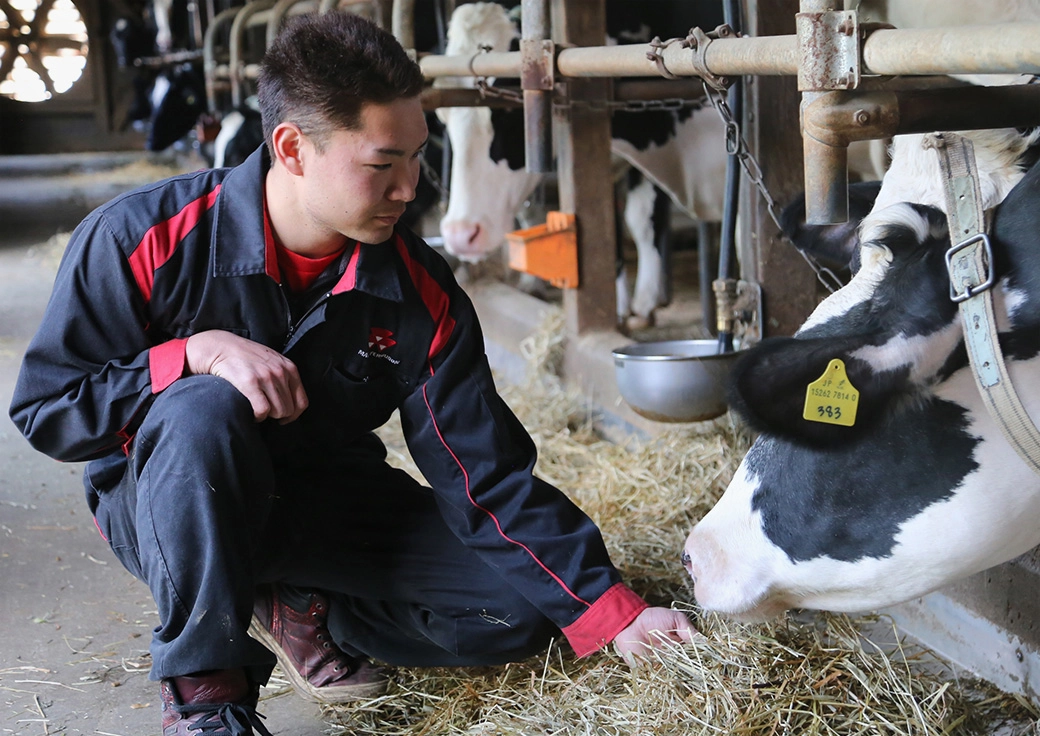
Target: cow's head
(488, 180)
(922, 488)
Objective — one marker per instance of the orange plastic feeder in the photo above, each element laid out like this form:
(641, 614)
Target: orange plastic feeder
(548, 251)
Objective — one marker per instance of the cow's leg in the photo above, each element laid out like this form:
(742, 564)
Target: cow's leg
(622, 300)
(649, 290)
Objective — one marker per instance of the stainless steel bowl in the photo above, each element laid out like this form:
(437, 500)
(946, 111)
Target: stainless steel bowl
(674, 380)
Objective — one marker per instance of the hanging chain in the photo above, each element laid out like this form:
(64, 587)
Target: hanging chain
(433, 177)
(736, 145)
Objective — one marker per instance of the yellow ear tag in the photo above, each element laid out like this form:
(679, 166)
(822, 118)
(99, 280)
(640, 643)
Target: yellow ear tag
(831, 398)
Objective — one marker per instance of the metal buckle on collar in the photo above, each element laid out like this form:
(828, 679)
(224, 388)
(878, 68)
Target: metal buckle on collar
(970, 290)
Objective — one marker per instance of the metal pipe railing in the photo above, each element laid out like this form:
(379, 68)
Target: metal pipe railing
(236, 65)
(277, 14)
(1006, 48)
(209, 54)
(835, 119)
(1012, 49)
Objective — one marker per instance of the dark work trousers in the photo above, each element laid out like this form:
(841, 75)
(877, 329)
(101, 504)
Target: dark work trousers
(205, 512)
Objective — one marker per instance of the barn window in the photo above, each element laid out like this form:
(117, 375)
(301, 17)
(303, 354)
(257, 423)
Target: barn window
(43, 48)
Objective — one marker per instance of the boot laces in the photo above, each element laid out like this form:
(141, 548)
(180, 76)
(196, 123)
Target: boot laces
(230, 719)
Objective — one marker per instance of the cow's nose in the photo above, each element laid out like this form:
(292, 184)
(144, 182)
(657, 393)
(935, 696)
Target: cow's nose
(462, 238)
(688, 564)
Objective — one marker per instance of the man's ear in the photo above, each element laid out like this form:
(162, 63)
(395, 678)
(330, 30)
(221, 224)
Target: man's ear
(287, 141)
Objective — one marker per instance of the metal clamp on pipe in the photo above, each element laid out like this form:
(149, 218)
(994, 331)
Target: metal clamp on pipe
(698, 41)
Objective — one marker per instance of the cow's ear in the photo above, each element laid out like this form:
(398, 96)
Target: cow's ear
(769, 383)
(835, 246)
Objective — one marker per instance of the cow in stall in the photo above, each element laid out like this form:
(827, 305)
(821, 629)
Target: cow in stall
(679, 154)
(922, 489)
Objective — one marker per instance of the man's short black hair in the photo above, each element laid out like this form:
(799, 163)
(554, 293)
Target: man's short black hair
(322, 68)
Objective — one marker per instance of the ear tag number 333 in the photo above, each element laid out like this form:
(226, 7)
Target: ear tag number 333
(831, 398)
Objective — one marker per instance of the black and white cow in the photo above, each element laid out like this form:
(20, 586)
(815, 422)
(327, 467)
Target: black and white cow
(680, 153)
(923, 488)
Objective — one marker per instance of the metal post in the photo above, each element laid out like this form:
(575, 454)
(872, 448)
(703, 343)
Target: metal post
(821, 69)
(536, 81)
(402, 22)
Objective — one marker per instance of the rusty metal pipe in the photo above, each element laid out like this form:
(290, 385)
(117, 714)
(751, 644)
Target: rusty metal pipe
(834, 119)
(504, 64)
(1006, 48)
(768, 55)
(826, 181)
(1010, 49)
(536, 81)
(838, 118)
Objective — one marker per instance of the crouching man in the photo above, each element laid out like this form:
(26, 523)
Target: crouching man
(220, 346)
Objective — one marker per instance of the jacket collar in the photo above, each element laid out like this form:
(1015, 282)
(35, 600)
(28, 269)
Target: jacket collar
(241, 243)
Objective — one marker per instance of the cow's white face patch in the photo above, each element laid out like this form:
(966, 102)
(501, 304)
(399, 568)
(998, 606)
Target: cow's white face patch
(485, 194)
(924, 354)
(914, 175)
(730, 559)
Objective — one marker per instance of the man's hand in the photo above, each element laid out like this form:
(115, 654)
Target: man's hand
(650, 629)
(267, 378)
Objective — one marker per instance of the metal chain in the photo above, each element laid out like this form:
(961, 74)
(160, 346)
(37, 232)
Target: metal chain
(671, 104)
(736, 145)
(434, 178)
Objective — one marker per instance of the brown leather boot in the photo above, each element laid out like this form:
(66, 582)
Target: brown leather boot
(317, 669)
(218, 703)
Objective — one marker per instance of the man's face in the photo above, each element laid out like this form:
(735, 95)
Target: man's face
(359, 184)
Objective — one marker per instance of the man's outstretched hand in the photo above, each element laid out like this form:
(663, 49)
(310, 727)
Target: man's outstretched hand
(651, 629)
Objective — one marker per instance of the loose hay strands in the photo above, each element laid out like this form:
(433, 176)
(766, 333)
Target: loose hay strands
(801, 675)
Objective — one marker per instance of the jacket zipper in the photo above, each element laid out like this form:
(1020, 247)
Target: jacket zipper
(290, 326)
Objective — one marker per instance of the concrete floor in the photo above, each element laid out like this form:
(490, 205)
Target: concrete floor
(74, 625)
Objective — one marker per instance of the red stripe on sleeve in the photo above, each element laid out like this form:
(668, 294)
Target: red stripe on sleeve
(491, 514)
(166, 363)
(433, 296)
(161, 240)
(608, 616)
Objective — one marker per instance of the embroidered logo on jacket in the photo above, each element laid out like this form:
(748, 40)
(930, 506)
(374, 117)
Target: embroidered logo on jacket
(380, 339)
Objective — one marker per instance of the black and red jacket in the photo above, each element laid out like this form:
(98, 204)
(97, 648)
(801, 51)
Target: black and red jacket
(386, 327)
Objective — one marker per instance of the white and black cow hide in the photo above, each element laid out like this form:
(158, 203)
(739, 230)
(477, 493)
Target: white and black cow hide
(680, 153)
(922, 489)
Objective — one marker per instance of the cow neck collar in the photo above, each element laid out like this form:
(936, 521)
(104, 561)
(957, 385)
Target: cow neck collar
(971, 266)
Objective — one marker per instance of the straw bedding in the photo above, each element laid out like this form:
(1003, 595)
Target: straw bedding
(801, 674)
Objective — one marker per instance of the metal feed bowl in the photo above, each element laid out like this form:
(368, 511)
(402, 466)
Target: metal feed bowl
(674, 380)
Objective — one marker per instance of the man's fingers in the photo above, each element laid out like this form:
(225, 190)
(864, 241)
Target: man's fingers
(258, 400)
(270, 381)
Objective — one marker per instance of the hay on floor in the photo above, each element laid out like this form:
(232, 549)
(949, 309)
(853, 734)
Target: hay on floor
(805, 674)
